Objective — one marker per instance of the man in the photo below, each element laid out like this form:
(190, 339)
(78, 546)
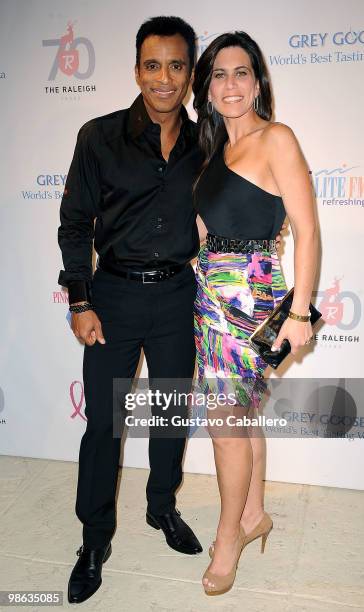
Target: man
(133, 171)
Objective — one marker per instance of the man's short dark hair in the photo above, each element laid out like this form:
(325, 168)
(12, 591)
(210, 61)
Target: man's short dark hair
(167, 26)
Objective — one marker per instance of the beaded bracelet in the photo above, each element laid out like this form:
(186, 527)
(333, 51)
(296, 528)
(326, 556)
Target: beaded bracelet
(77, 308)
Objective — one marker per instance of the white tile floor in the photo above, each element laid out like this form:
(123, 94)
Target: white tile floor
(314, 557)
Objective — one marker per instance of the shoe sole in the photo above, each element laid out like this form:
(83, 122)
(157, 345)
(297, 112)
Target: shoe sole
(155, 525)
(76, 601)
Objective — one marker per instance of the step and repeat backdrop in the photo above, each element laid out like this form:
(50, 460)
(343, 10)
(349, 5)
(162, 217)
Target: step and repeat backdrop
(62, 63)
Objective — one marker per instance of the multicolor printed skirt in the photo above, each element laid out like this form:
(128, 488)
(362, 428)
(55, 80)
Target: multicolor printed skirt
(235, 292)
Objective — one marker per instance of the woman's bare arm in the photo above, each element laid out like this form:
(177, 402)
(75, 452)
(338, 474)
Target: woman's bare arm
(202, 230)
(291, 175)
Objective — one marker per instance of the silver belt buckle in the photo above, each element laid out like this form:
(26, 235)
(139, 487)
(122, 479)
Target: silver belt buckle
(148, 282)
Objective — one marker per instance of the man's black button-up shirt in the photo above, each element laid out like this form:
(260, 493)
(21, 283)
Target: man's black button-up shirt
(142, 204)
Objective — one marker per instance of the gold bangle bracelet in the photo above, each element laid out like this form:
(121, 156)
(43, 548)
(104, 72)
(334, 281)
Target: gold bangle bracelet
(296, 317)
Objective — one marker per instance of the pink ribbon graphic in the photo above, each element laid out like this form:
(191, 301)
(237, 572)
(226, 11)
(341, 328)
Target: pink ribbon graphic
(77, 405)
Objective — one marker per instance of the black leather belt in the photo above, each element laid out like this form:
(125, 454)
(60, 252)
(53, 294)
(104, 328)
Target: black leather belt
(149, 276)
(219, 244)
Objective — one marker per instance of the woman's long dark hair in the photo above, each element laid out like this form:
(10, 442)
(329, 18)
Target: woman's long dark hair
(212, 131)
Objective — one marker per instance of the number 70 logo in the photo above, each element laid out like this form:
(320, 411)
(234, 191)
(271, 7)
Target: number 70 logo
(67, 58)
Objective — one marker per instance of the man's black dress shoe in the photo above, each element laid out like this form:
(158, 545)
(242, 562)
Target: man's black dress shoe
(85, 577)
(179, 535)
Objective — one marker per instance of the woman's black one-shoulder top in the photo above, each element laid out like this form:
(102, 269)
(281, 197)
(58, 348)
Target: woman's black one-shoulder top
(233, 207)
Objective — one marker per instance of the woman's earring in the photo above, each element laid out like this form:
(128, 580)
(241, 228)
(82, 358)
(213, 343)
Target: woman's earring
(210, 108)
(256, 103)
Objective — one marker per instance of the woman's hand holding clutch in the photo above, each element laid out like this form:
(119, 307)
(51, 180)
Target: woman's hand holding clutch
(298, 333)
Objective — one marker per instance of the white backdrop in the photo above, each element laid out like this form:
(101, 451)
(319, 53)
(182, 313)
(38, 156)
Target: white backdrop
(315, 53)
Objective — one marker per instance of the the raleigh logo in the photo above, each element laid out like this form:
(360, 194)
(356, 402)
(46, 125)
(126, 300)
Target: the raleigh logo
(67, 57)
(67, 60)
(334, 304)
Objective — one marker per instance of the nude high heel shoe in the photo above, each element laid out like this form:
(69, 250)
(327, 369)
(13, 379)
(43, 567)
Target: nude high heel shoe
(222, 584)
(262, 529)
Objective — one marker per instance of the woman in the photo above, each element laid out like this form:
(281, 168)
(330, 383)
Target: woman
(254, 174)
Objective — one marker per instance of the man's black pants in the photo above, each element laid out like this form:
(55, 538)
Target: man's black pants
(157, 317)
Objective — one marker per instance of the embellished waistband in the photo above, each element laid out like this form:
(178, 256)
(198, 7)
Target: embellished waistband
(219, 244)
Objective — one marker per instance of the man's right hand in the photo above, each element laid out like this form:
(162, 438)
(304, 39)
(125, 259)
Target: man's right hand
(87, 327)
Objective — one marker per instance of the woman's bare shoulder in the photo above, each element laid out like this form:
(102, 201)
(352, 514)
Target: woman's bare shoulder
(282, 147)
(279, 133)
